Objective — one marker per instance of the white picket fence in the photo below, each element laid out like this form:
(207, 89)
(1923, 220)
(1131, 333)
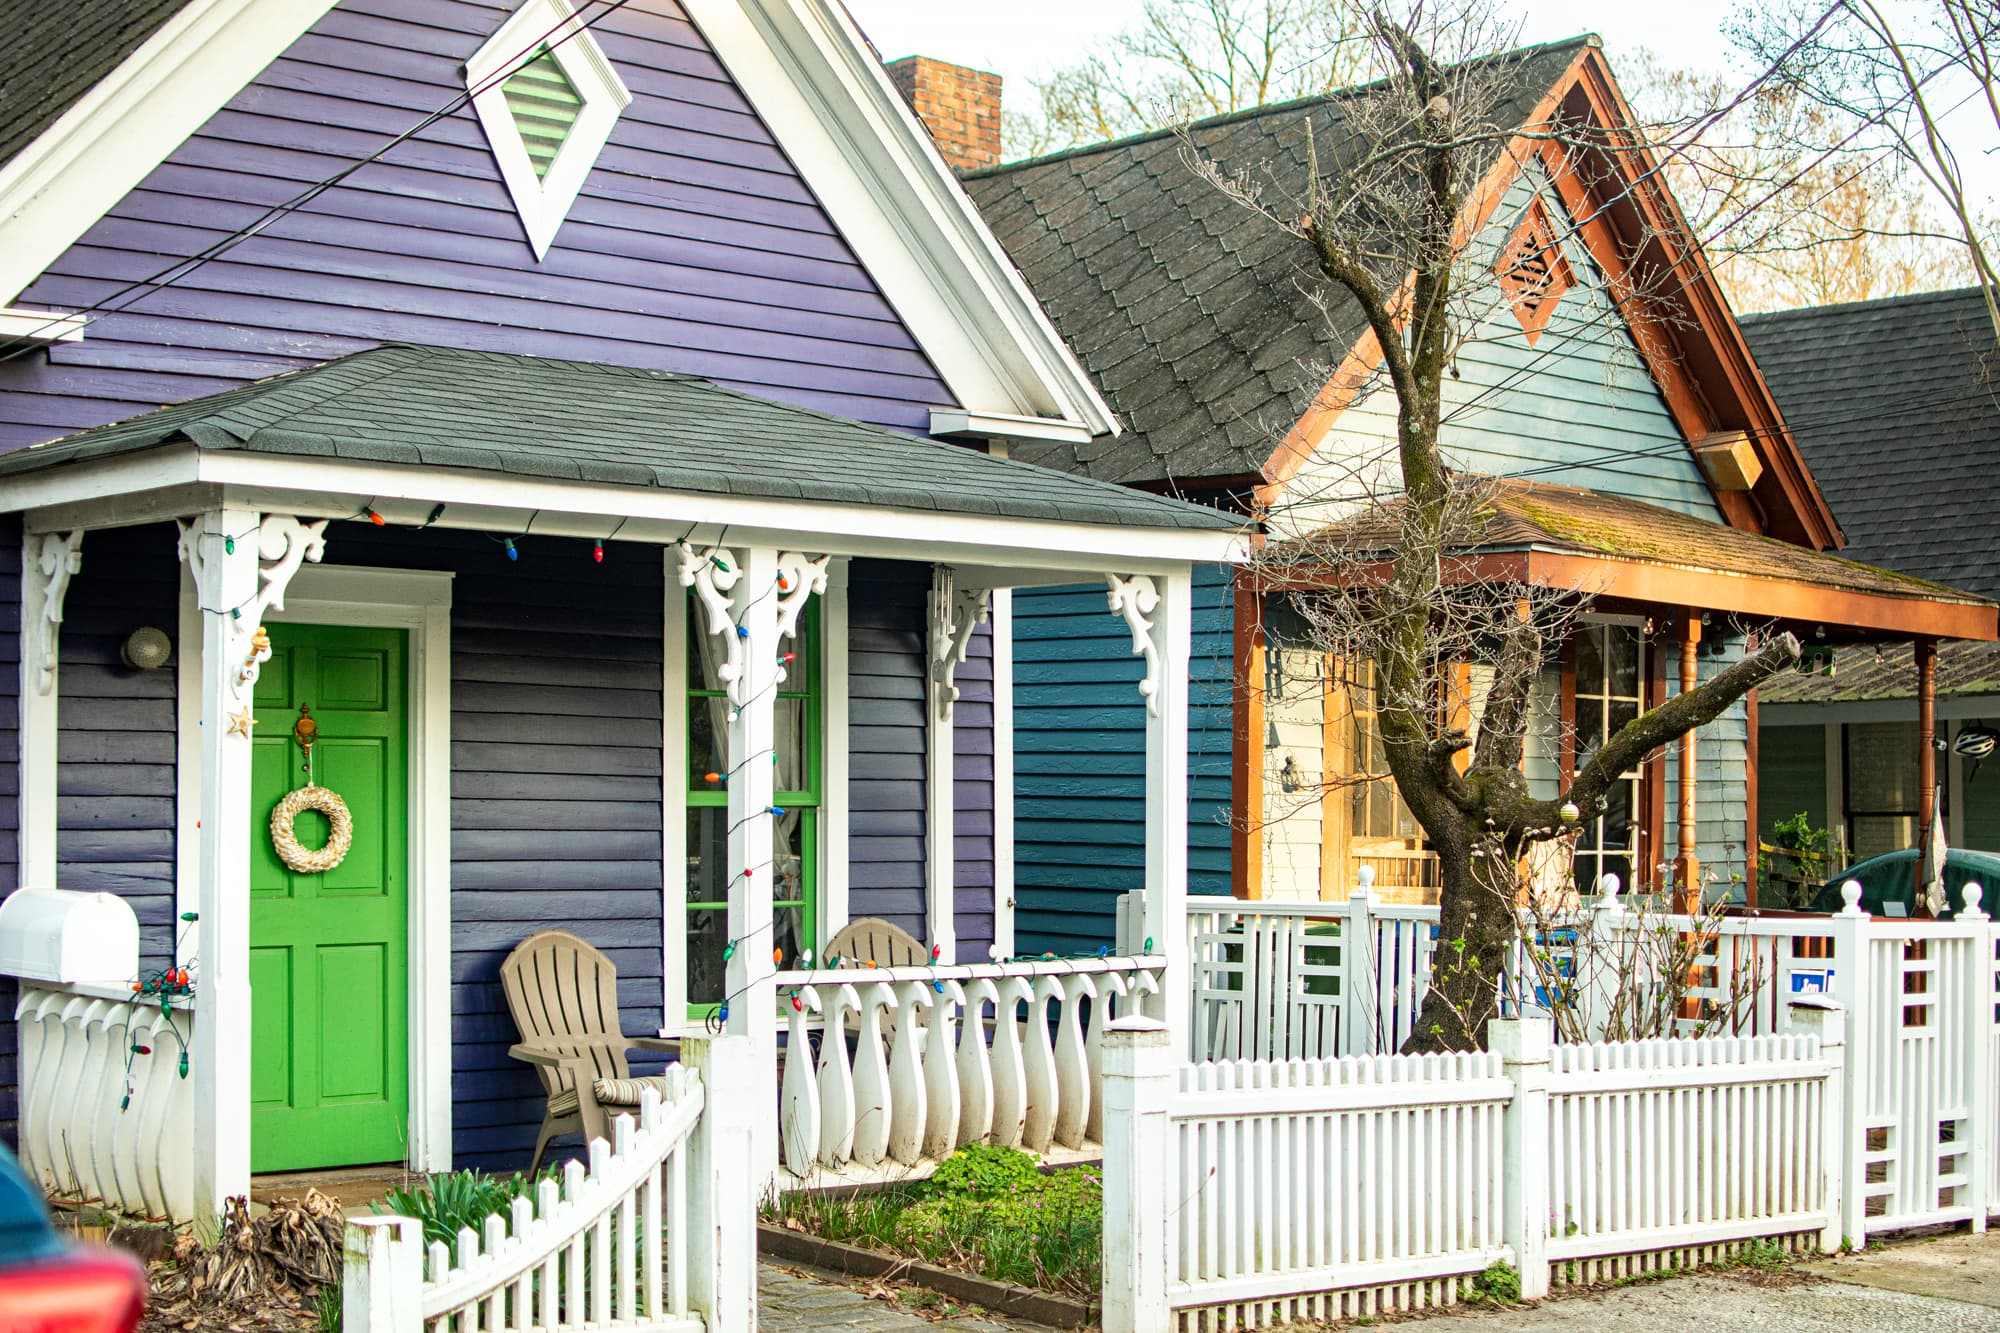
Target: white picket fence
(930, 1058)
(82, 1137)
(656, 1235)
(1239, 1194)
(1921, 1105)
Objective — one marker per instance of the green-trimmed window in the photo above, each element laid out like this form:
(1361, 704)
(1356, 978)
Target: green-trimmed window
(795, 837)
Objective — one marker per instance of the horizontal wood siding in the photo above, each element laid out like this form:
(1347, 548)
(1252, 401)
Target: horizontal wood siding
(117, 729)
(10, 807)
(1080, 760)
(694, 247)
(886, 619)
(972, 797)
(1576, 408)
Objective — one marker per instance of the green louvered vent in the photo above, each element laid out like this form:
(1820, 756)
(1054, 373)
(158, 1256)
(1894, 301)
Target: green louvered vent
(545, 106)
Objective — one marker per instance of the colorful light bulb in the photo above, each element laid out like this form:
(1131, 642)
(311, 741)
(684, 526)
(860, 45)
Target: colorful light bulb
(377, 519)
(597, 552)
(512, 554)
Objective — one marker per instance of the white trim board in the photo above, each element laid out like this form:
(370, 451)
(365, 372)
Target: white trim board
(317, 488)
(418, 601)
(97, 152)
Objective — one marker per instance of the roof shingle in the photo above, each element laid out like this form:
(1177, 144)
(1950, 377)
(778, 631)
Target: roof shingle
(616, 425)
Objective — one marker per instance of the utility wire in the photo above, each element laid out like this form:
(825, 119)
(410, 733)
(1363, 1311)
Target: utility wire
(140, 288)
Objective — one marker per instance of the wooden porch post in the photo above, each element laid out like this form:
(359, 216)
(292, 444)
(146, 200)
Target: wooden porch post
(750, 983)
(1169, 645)
(221, 549)
(1687, 863)
(954, 614)
(1926, 657)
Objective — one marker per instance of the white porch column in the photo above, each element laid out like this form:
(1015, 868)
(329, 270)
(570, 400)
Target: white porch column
(954, 614)
(241, 564)
(753, 602)
(48, 560)
(1160, 614)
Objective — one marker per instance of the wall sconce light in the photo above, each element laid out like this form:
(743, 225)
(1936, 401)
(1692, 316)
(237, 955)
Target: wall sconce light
(146, 649)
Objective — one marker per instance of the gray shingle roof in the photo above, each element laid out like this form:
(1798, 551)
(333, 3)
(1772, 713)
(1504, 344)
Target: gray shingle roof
(581, 421)
(1861, 672)
(1191, 311)
(1896, 406)
(54, 53)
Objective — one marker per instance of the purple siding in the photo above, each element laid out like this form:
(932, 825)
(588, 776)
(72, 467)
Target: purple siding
(886, 621)
(10, 786)
(972, 795)
(695, 246)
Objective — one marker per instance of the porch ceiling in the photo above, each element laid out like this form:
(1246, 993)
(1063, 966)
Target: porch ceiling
(556, 430)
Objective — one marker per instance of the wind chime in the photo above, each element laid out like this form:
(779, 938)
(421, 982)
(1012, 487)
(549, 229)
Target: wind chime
(312, 796)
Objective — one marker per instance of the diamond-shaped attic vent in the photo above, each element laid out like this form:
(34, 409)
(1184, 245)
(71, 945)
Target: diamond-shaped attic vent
(1534, 272)
(545, 107)
(547, 99)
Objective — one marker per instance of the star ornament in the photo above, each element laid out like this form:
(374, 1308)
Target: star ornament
(240, 723)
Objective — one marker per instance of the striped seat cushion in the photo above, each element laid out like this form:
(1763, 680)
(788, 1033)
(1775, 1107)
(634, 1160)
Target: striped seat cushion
(625, 1091)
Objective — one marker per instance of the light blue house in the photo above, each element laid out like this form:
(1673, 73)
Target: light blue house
(1642, 457)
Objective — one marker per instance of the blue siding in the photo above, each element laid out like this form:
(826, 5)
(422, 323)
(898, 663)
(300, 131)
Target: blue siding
(10, 787)
(695, 246)
(1080, 760)
(1575, 408)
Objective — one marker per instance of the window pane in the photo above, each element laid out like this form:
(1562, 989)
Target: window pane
(706, 652)
(789, 724)
(708, 744)
(799, 676)
(1621, 716)
(708, 854)
(1875, 834)
(1590, 660)
(1882, 767)
(707, 935)
(1622, 650)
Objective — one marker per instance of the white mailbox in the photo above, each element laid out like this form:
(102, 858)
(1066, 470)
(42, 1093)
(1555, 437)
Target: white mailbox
(74, 938)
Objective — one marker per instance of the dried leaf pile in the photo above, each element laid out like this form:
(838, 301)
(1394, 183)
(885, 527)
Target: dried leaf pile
(261, 1273)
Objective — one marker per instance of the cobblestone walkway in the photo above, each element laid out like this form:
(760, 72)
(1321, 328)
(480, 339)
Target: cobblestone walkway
(796, 1300)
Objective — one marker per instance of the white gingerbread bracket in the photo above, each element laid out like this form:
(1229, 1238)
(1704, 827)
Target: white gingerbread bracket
(54, 558)
(954, 616)
(283, 544)
(712, 574)
(1136, 598)
(800, 577)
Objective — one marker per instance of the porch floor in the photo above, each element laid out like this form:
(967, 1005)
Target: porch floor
(352, 1187)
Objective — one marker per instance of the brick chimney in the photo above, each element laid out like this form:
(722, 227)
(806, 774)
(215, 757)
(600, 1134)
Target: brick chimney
(959, 106)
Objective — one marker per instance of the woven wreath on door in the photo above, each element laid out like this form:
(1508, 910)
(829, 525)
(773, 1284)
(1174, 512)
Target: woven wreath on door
(285, 839)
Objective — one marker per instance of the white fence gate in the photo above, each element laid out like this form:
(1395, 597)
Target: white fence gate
(657, 1235)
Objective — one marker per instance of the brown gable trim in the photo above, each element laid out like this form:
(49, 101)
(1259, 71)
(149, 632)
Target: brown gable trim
(1705, 373)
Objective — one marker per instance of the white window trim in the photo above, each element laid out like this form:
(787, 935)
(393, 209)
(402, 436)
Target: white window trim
(418, 601)
(833, 807)
(544, 201)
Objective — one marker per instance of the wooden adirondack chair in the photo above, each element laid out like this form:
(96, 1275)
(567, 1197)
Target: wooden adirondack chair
(870, 939)
(564, 997)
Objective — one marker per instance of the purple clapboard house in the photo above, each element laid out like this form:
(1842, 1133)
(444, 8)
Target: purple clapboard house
(574, 438)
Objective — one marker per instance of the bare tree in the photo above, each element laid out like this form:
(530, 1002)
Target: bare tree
(1386, 575)
(1785, 225)
(1187, 59)
(1901, 73)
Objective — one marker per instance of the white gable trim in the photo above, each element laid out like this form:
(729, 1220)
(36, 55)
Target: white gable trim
(819, 87)
(57, 187)
(544, 201)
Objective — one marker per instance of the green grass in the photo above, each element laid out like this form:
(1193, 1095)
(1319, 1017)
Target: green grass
(987, 1210)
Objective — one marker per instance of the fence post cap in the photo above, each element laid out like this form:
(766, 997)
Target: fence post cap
(1850, 893)
(1814, 1003)
(1975, 900)
(1521, 1040)
(1135, 1030)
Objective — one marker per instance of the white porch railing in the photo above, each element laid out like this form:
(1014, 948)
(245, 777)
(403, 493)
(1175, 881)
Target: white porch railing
(655, 1236)
(902, 1065)
(86, 1133)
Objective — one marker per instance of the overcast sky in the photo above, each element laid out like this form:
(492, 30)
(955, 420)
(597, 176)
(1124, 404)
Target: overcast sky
(1023, 39)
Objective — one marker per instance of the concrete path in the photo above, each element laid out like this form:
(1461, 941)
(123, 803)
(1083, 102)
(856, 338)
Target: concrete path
(1950, 1284)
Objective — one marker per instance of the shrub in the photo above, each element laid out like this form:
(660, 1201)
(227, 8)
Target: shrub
(1498, 1285)
(983, 1171)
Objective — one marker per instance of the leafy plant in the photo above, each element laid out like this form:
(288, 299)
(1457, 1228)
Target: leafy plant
(329, 1310)
(1498, 1285)
(983, 1171)
(445, 1204)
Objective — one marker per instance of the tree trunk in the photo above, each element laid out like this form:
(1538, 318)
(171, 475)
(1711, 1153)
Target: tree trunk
(1476, 934)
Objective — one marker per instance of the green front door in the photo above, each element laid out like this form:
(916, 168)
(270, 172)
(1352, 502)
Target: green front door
(329, 955)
